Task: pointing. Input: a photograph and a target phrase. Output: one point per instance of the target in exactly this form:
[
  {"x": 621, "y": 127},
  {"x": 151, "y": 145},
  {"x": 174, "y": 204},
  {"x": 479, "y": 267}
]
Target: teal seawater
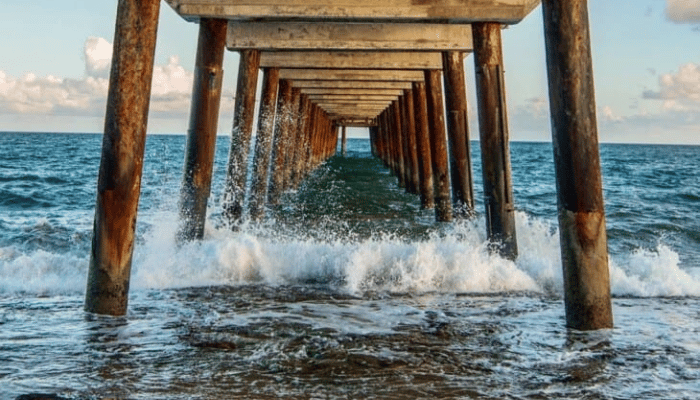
[{"x": 347, "y": 289}]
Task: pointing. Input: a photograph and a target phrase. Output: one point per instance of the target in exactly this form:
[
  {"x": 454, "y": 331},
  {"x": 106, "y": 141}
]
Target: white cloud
[
  {"x": 50, "y": 95},
  {"x": 679, "y": 91},
  {"x": 98, "y": 55},
  {"x": 608, "y": 115},
  {"x": 683, "y": 11},
  {"x": 34, "y": 95}
]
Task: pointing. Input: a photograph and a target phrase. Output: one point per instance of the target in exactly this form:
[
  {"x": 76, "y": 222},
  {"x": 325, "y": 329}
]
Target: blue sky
[{"x": 646, "y": 58}]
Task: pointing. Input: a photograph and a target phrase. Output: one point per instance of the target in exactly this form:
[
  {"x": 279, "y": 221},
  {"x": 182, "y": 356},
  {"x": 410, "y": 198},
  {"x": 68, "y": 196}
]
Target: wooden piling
[
  {"x": 240, "y": 136},
  {"x": 401, "y": 102},
  {"x": 294, "y": 138},
  {"x": 438, "y": 145},
  {"x": 373, "y": 140},
  {"x": 458, "y": 133},
  {"x": 311, "y": 136},
  {"x": 282, "y": 139},
  {"x": 344, "y": 141},
  {"x": 119, "y": 181},
  {"x": 333, "y": 139},
  {"x": 395, "y": 114},
  {"x": 263, "y": 143},
  {"x": 577, "y": 160},
  {"x": 388, "y": 158},
  {"x": 302, "y": 146},
  {"x": 201, "y": 135},
  {"x": 425, "y": 164},
  {"x": 413, "y": 184},
  {"x": 495, "y": 151}
]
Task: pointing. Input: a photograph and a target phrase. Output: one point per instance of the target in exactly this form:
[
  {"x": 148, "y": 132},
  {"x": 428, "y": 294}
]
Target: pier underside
[{"x": 394, "y": 67}]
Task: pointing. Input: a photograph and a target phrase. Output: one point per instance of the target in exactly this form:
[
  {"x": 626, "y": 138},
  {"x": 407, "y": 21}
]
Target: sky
[{"x": 55, "y": 55}]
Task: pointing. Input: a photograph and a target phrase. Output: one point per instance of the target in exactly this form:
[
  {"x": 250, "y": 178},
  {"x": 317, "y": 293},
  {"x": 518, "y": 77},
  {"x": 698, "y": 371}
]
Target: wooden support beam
[
  {"x": 353, "y": 92},
  {"x": 348, "y": 114},
  {"x": 351, "y": 84},
  {"x": 244, "y": 112},
  {"x": 303, "y": 141},
  {"x": 294, "y": 138},
  {"x": 407, "y": 166},
  {"x": 119, "y": 180},
  {"x": 493, "y": 130},
  {"x": 408, "y": 110},
  {"x": 458, "y": 134},
  {"x": 263, "y": 143},
  {"x": 395, "y": 115},
  {"x": 384, "y": 148},
  {"x": 201, "y": 135},
  {"x": 353, "y": 97},
  {"x": 425, "y": 165},
  {"x": 349, "y": 106},
  {"x": 438, "y": 146},
  {"x": 344, "y": 142},
  {"x": 356, "y": 123},
  {"x": 440, "y": 11},
  {"x": 351, "y": 60},
  {"x": 282, "y": 140},
  {"x": 353, "y": 107},
  {"x": 373, "y": 139},
  {"x": 350, "y": 75},
  {"x": 284, "y": 35},
  {"x": 577, "y": 160}
]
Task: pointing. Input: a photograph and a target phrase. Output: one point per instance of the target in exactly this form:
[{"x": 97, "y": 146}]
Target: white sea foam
[{"x": 454, "y": 260}]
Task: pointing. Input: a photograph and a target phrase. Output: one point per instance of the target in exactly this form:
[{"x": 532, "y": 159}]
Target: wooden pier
[{"x": 329, "y": 65}]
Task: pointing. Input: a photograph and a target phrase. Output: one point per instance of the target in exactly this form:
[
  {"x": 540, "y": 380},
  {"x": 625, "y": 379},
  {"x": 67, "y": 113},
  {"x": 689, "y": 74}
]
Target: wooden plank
[
  {"x": 351, "y": 97},
  {"x": 348, "y": 112},
  {"x": 351, "y": 75},
  {"x": 439, "y": 11},
  {"x": 349, "y": 84},
  {"x": 359, "y": 92},
  {"x": 363, "y": 122},
  {"x": 265, "y": 35},
  {"x": 352, "y": 107},
  {"x": 351, "y": 59}
]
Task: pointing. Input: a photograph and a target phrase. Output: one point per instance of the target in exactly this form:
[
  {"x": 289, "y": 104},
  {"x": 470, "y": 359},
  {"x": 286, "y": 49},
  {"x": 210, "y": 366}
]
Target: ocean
[{"x": 347, "y": 289}]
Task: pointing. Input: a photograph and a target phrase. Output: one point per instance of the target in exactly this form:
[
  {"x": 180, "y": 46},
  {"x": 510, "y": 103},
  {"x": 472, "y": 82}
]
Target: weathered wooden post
[
  {"x": 240, "y": 136},
  {"x": 425, "y": 164},
  {"x": 576, "y": 155},
  {"x": 302, "y": 146},
  {"x": 344, "y": 141},
  {"x": 438, "y": 145},
  {"x": 201, "y": 136},
  {"x": 458, "y": 133},
  {"x": 333, "y": 139},
  {"x": 383, "y": 121},
  {"x": 406, "y": 148},
  {"x": 281, "y": 145},
  {"x": 384, "y": 147},
  {"x": 263, "y": 143},
  {"x": 493, "y": 130},
  {"x": 294, "y": 136},
  {"x": 411, "y": 142},
  {"x": 312, "y": 128},
  {"x": 119, "y": 181},
  {"x": 373, "y": 140},
  {"x": 395, "y": 113}
]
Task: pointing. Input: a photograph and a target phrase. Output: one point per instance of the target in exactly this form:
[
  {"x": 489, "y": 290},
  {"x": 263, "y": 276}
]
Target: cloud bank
[
  {"x": 87, "y": 96},
  {"x": 683, "y": 11},
  {"x": 679, "y": 91}
]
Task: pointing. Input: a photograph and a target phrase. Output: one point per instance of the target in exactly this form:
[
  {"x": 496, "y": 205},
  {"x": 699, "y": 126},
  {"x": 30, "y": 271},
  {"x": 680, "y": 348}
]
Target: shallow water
[{"x": 348, "y": 289}]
